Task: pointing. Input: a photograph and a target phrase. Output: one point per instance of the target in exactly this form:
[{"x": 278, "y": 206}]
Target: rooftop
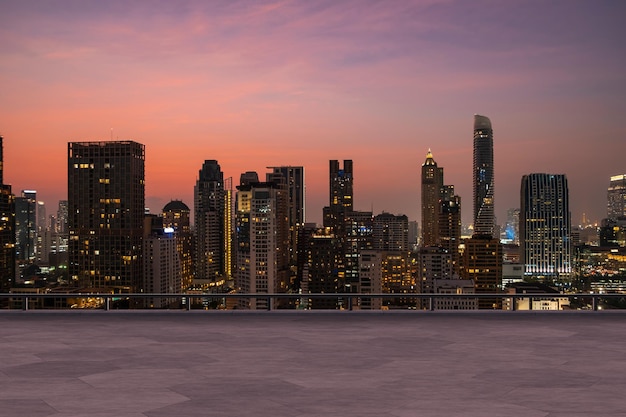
[{"x": 305, "y": 364}]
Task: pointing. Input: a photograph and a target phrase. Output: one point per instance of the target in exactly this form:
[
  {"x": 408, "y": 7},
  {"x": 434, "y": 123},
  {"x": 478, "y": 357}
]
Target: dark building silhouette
[
  {"x": 432, "y": 184},
  {"x": 484, "y": 220},
  {"x": 176, "y": 215},
  {"x": 482, "y": 263},
  {"x": 106, "y": 205},
  {"x": 211, "y": 246},
  {"x": 7, "y": 230}
]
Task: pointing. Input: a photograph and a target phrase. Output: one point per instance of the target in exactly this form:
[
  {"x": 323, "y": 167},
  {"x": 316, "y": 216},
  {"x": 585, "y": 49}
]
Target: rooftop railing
[{"x": 317, "y": 301}]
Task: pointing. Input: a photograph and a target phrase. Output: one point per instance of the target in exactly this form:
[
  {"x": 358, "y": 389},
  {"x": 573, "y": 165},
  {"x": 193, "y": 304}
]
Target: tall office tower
[
  {"x": 484, "y": 220},
  {"x": 512, "y": 225},
  {"x": 7, "y": 230},
  {"x": 545, "y": 224},
  {"x": 391, "y": 233},
  {"x": 616, "y": 197},
  {"x": 209, "y": 215},
  {"x": 482, "y": 263},
  {"x": 294, "y": 179},
  {"x": 344, "y": 222},
  {"x": 432, "y": 185},
  {"x": 341, "y": 196},
  {"x": 26, "y": 226},
  {"x": 320, "y": 273},
  {"x": 449, "y": 226},
  {"x": 370, "y": 279},
  {"x": 161, "y": 263},
  {"x": 433, "y": 263},
  {"x": 106, "y": 205},
  {"x": 176, "y": 216},
  {"x": 62, "y": 217},
  {"x": 257, "y": 225},
  {"x": 284, "y": 249},
  {"x": 413, "y": 234}
]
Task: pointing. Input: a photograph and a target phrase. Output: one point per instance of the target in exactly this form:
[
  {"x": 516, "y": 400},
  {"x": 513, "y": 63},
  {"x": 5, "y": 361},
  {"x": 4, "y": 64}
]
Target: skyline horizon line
[{"x": 416, "y": 219}]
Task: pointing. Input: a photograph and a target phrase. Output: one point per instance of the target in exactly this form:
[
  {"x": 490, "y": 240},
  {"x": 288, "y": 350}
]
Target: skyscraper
[
  {"x": 7, "y": 230},
  {"x": 484, "y": 220},
  {"x": 545, "y": 223},
  {"x": 259, "y": 221},
  {"x": 26, "y": 225},
  {"x": 106, "y": 205},
  {"x": 616, "y": 197},
  {"x": 176, "y": 216},
  {"x": 209, "y": 215},
  {"x": 294, "y": 185},
  {"x": 432, "y": 184}
]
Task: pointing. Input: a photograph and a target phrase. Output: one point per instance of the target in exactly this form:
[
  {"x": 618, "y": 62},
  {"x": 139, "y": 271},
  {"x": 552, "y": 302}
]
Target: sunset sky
[{"x": 256, "y": 84}]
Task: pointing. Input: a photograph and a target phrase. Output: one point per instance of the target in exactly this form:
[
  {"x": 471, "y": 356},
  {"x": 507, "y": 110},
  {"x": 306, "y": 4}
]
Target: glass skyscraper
[
  {"x": 483, "y": 176},
  {"x": 545, "y": 223},
  {"x": 106, "y": 205}
]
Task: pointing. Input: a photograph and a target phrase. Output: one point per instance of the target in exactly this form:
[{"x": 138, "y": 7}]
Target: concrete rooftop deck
[{"x": 156, "y": 364}]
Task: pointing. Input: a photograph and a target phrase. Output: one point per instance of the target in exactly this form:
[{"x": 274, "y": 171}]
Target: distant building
[
  {"x": 391, "y": 232},
  {"x": 26, "y": 226},
  {"x": 296, "y": 203},
  {"x": 106, "y": 205},
  {"x": 7, "y": 230},
  {"x": 616, "y": 197},
  {"x": 482, "y": 263},
  {"x": 545, "y": 227},
  {"x": 484, "y": 220},
  {"x": 211, "y": 245},
  {"x": 432, "y": 184},
  {"x": 613, "y": 232},
  {"x": 457, "y": 287},
  {"x": 535, "y": 303},
  {"x": 260, "y": 215},
  {"x": 176, "y": 216},
  {"x": 320, "y": 271},
  {"x": 161, "y": 263},
  {"x": 370, "y": 279}
]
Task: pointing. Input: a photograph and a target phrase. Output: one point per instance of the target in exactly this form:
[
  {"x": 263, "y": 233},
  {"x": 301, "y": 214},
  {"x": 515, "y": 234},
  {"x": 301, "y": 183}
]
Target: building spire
[{"x": 429, "y": 159}]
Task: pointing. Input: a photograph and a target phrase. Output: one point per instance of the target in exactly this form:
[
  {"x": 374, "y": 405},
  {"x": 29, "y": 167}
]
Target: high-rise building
[
  {"x": 176, "y": 216},
  {"x": 545, "y": 223},
  {"x": 210, "y": 219},
  {"x": 341, "y": 196},
  {"x": 432, "y": 185},
  {"x": 106, "y": 205},
  {"x": 7, "y": 230},
  {"x": 512, "y": 226},
  {"x": 258, "y": 215},
  {"x": 484, "y": 219},
  {"x": 616, "y": 197},
  {"x": 161, "y": 263},
  {"x": 294, "y": 181},
  {"x": 391, "y": 232},
  {"x": 449, "y": 226},
  {"x": 482, "y": 263},
  {"x": 26, "y": 225}
]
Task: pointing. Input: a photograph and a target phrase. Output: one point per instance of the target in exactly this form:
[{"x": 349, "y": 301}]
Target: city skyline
[{"x": 253, "y": 85}]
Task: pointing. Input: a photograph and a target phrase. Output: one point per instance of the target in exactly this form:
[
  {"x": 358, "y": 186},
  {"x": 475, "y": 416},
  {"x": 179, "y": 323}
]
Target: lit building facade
[
  {"x": 210, "y": 211},
  {"x": 106, "y": 205},
  {"x": 26, "y": 226},
  {"x": 482, "y": 263},
  {"x": 7, "y": 230},
  {"x": 391, "y": 232},
  {"x": 161, "y": 263},
  {"x": 616, "y": 197},
  {"x": 176, "y": 216},
  {"x": 258, "y": 216},
  {"x": 432, "y": 184},
  {"x": 484, "y": 220},
  {"x": 545, "y": 224}
]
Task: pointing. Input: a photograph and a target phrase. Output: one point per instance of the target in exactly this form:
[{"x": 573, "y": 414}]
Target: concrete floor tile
[{"x": 23, "y": 407}]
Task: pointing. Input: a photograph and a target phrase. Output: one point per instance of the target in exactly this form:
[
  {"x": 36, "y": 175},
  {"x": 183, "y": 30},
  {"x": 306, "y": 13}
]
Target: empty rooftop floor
[{"x": 389, "y": 364}]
